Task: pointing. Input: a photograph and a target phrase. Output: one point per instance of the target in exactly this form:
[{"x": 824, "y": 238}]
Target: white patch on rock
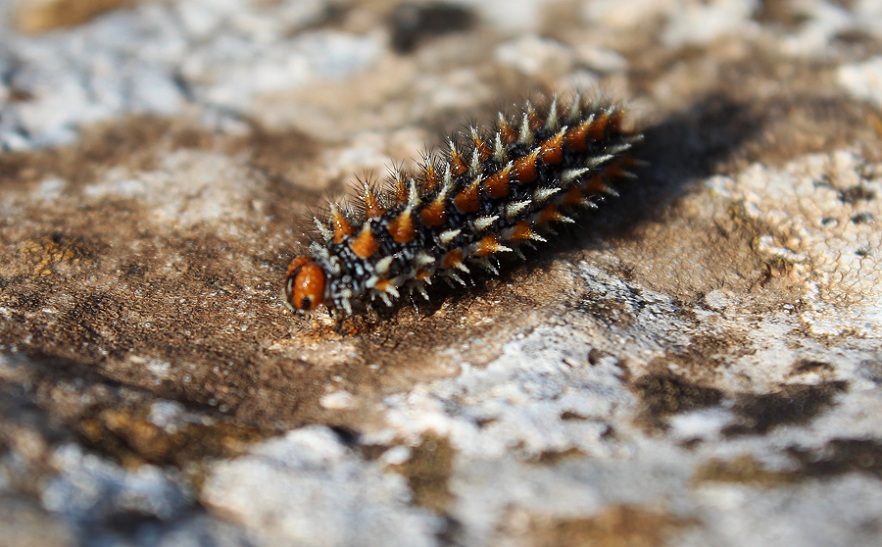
[
  {"x": 862, "y": 80},
  {"x": 522, "y": 16},
  {"x": 188, "y": 188},
  {"x": 337, "y": 400},
  {"x": 531, "y": 55},
  {"x": 623, "y": 16},
  {"x": 161, "y": 59},
  {"x": 90, "y": 488},
  {"x": 700, "y": 23},
  {"x": 307, "y": 488}
]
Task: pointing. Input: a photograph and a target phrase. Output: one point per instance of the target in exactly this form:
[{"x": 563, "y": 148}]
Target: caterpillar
[{"x": 499, "y": 190}]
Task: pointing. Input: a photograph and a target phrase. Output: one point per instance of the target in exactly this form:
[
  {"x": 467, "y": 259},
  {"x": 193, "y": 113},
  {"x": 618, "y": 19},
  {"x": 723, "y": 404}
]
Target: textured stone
[{"x": 697, "y": 363}]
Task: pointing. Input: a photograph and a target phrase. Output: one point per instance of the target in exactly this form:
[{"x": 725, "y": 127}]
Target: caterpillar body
[{"x": 499, "y": 190}]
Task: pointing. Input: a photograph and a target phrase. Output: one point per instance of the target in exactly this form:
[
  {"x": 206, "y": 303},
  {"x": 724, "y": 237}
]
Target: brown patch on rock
[
  {"x": 741, "y": 470},
  {"x": 810, "y": 366},
  {"x": 681, "y": 270},
  {"x": 615, "y": 526},
  {"x": 36, "y": 17},
  {"x": 780, "y": 12},
  {"x": 792, "y": 404},
  {"x": 551, "y": 457},
  {"x": 289, "y": 161},
  {"x": 772, "y": 272},
  {"x": 427, "y": 471},
  {"x": 411, "y": 23},
  {"x": 69, "y": 401},
  {"x": 56, "y": 251},
  {"x": 839, "y": 456},
  {"x": 836, "y": 457},
  {"x": 664, "y": 394},
  {"x": 569, "y": 415},
  {"x": 854, "y": 194},
  {"x": 705, "y": 356},
  {"x": 133, "y": 439}
]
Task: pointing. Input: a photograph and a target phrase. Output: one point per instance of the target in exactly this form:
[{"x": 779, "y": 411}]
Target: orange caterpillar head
[{"x": 305, "y": 288}]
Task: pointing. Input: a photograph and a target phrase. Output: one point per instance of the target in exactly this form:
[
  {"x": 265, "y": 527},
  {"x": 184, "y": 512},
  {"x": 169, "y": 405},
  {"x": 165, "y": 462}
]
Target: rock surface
[{"x": 700, "y": 364}]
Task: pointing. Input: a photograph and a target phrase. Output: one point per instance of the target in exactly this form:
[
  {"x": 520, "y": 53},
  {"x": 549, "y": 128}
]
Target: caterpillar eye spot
[{"x": 305, "y": 286}]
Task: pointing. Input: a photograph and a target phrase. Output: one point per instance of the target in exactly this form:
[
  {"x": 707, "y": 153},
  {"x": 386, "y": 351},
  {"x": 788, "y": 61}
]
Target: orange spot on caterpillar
[
  {"x": 306, "y": 284},
  {"x": 400, "y": 189},
  {"x": 365, "y": 244},
  {"x": 533, "y": 118},
  {"x": 551, "y": 151},
  {"x": 482, "y": 148},
  {"x": 401, "y": 228},
  {"x": 372, "y": 207},
  {"x": 457, "y": 165},
  {"x": 342, "y": 228},
  {"x": 524, "y": 169},
  {"x": 468, "y": 200},
  {"x": 615, "y": 170},
  {"x": 576, "y": 138},
  {"x": 598, "y": 128},
  {"x": 596, "y": 184},
  {"x": 521, "y": 231},
  {"x": 383, "y": 285},
  {"x": 489, "y": 244},
  {"x": 452, "y": 259},
  {"x": 574, "y": 196},
  {"x": 433, "y": 179},
  {"x": 506, "y": 133},
  {"x": 549, "y": 214},
  {"x": 434, "y": 214},
  {"x": 497, "y": 184}
]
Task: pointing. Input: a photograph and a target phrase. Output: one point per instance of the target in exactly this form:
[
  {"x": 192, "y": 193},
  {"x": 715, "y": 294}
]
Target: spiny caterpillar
[{"x": 465, "y": 207}]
